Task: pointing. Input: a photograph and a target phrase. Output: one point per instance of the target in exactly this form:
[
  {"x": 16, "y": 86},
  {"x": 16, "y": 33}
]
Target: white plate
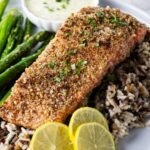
[{"x": 138, "y": 139}]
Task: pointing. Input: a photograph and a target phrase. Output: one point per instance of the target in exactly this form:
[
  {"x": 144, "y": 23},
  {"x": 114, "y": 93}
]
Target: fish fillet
[{"x": 86, "y": 47}]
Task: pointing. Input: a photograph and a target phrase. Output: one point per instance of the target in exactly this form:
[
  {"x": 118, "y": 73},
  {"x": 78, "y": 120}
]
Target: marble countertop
[{"x": 142, "y": 4}]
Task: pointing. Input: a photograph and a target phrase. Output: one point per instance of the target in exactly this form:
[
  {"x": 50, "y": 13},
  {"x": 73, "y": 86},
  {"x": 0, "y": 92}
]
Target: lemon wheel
[
  {"x": 93, "y": 136},
  {"x": 51, "y": 136},
  {"x": 85, "y": 115}
]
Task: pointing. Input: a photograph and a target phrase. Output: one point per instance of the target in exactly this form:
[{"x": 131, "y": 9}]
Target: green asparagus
[
  {"x": 5, "y": 97},
  {"x": 13, "y": 37},
  {"x": 6, "y": 25},
  {"x": 11, "y": 73},
  {"x": 29, "y": 27},
  {"x": 46, "y": 42},
  {"x": 2, "y": 92},
  {"x": 20, "y": 36},
  {"x": 22, "y": 49},
  {"x": 3, "y": 4}
]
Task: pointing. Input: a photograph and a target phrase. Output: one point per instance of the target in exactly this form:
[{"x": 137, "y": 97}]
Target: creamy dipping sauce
[{"x": 57, "y": 10}]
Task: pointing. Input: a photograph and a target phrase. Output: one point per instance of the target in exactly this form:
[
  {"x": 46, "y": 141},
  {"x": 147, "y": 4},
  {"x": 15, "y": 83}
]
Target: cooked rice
[
  {"x": 13, "y": 137},
  {"x": 123, "y": 97}
]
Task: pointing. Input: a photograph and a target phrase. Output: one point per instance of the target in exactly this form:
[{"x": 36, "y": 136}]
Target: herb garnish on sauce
[
  {"x": 63, "y": 5},
  {"x": 65, "y": 1}
]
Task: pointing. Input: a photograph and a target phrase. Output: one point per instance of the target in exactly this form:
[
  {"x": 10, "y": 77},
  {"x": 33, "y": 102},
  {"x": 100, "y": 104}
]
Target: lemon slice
[
  {"x": 51, "y": 136},
  {"x": 85, "y": 115},
  {"x": 93, "y": 136}
]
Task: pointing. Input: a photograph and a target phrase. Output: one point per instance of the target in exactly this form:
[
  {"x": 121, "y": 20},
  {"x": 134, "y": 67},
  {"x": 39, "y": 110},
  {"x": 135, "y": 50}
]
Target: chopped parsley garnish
[
  {"x": 45, "y": 3},
  {"x": 72, "y": 69},
  {"x": 63, "y": 73},
  {"x": 96, "y": 45},
  {"x": 92, "y": 22},
  {"x": 73, "y": 66},
  {"x": 65, "y": 1},
  {"x": 100, "y": 14},
  {"x": 47, "y": 7},
  {"x": 87, "y": 33},
  {"x": 52, "y": 64},
  {"x": 57, "y": 79},
  {"x": 83, "y": 42},
  {"x": 79, "y": 67},
  {"x": 82, "y": 63},
  {"x": 67, "y": 34},
  {"x": 50, "y": 9},
  {"x": 69, "y": 68},
  {"x": 63, "y": 6},
  {"x": 66, "y": 61},
  {"x": 117, "y": 21},
  {"x": 72, "y": 52}
]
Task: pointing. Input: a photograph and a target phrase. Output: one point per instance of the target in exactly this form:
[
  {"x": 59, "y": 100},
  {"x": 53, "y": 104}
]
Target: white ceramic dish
[
  {"x": 138, "y": 139},
  {"x": 49, "y": 25}
]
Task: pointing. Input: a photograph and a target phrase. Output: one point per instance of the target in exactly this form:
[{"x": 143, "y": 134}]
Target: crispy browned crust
[{"x": 43, "y": 94}]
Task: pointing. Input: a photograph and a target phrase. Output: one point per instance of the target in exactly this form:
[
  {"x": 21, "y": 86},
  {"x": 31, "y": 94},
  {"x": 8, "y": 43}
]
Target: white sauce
[{"x": 59, "y": 11}]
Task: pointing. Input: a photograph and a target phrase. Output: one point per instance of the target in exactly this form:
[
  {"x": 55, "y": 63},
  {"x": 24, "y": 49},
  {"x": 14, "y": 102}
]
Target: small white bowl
[{"x": 48, "y": 25}]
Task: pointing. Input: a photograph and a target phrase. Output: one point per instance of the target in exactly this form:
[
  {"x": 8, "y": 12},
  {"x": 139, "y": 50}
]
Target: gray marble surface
[{"x": 142, "y": 4}]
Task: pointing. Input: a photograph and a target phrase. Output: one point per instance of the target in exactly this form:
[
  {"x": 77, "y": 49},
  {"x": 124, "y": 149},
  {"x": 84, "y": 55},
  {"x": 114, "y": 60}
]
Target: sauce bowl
[{"x": 48, "y": 25}]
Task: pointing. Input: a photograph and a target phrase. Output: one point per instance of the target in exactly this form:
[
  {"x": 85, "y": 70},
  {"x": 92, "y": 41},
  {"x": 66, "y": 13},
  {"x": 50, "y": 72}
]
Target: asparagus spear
[
  {"x": 38, "y": 52},
  {"x": 20, "y": 36},
  {"x": 6, "y": 25},
  {"x": 11, "y": 73},
  {"x": 13, "y": 37},
  {"x": 3, "y": 4},
  {"x": 22, "y": 49},
  {"x": 5, "y": 97},
  {"x": 28, "y": 29}
]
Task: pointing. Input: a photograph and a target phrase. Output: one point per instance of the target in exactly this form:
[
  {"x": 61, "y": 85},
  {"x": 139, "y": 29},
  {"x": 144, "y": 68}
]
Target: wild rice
[{"x": 124, "y": 95}]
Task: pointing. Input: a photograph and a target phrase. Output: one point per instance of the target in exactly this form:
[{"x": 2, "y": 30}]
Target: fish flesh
[{"x": 87, "y": 46}]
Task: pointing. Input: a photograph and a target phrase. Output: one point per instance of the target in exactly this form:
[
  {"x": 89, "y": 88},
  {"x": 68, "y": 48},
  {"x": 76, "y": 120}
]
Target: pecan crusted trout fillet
[{"x": 86, "y": 47}]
